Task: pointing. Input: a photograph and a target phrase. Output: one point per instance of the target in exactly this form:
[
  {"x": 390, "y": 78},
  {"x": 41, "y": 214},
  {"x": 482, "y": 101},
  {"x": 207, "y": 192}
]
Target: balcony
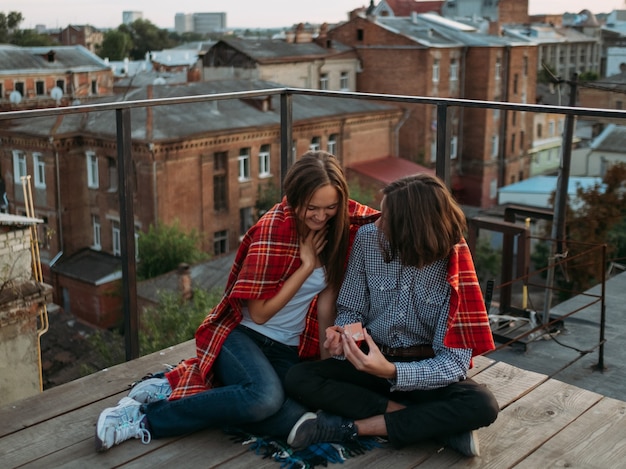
[{"x": 543, "y": 421}]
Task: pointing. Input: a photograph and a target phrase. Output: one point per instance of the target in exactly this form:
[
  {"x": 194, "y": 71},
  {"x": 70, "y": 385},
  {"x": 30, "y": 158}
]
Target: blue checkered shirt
[{"x": 402, "y": 306}]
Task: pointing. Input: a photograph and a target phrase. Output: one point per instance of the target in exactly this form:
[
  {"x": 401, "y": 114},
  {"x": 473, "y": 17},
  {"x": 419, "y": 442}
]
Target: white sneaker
[
  {"x": 151, "y": 390},
  {"x": 120, "y": 423}
]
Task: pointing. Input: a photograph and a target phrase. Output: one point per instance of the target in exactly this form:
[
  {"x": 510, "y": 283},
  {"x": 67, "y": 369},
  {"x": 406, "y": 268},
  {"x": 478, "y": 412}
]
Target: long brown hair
[
  {"x": 314, "y": 170},
  {"x": 420, "y": 220}
]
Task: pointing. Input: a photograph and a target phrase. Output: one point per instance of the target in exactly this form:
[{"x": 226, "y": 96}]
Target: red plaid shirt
[{"x": 267, "y": 256}]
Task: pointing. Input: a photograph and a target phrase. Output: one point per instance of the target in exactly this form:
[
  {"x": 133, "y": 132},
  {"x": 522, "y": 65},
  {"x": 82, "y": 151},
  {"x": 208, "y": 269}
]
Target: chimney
[{"x": 184, "y": 282}]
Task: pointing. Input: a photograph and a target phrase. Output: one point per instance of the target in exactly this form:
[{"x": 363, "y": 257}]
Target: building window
[
  {"x": 539, "y": 130},
  {"x": 551, "y": 128},
  {"x": 93, "y": 181},
  {"x": 454, "y": 70},
  {"x": 19, "y": 166},
  {"x": 116, "y": 238},
  {"x": 97, "y": 238},
  {"x": 515, "y": 83},
  {"x": 513, "y": 118},
  {"x": 61, "y": 84},
  {"x": 454, "y": 147},
  {"x": 324, "y": 81},
  {"x": 315, "y": 144},
  {"x": 220, "y": 187},
  {"x": 264, "y": 161},
  {"x": 360, "y": 34},
  {"x": 219, "y": 193},
  {"x": 619, "y": 105},
  {"x": 40, "y": 88},
  {"x": 493, "y": 189},
  {"x": 94, "y": 86},
  {"x": 244, "y": 164},
  {"x": 436, "y": 71},
  {"x": 332, "y": 144},
  {"x": 113, "y": 176},
  {"x": 525, "y": 66},
  {"x": 498, "y": 68},
  {"x": 521, "y": 140},
  {"x": 494, "y": 145},
  {"x": 220, "y": 242},
  {"x": 513, "y": 143},
  {"x": 245, "y": 220},
  {"x": 19, "y": 87},
  {"x": 496, "y": 115},
  {"x": 344, "y": 83},
  {"x": 40, "y": 171}
]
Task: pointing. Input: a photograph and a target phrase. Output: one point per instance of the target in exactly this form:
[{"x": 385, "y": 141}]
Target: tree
[
  {"x": 116, "y": 45},
  {"x": 164, "y": 247},
  {"x": 146, "y": 37},
  {"x": 268, "y": 196},
  {"x": 9, "y": 24},
  {"x": 174, "y": 321},
  {"x": 597, "y": 221},
  {"x": 31, "y": 38}
]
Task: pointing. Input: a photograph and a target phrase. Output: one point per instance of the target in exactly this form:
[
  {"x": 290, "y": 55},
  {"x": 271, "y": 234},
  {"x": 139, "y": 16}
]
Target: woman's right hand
[{"x": 311, "y": 246}]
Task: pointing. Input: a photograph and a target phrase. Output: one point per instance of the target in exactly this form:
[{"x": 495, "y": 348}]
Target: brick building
[
  {"x": 202, "y": 165},
  {"x": 298, "y": 61},
  {"x": 80, "y": 35},
  {"x": 34, "y": 77},
  {"x": 428, "y": 55}
]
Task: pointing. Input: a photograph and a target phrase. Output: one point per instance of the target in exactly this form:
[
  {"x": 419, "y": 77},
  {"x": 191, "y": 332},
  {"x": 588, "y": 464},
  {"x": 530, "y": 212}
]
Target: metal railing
[{"x": 442, "y": 164}]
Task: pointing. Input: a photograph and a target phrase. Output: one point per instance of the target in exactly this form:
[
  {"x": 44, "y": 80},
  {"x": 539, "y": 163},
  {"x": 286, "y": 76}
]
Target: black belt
[{"x": 415, "y": 351}]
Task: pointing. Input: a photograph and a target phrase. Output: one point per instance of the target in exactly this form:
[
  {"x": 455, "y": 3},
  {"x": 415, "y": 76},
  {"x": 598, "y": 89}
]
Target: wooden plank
[
  {"x": 595, "y": 440},
  {"x": 480, "y": 363},
  {"x": 525, "y": 425},
  {"x": 509, "y": 383},
  {"x": 84, "y": 391}
]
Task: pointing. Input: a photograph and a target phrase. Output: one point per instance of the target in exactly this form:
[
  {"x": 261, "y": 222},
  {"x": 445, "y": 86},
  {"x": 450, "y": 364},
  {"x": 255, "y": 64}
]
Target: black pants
[{"x": 337, "y": 387}]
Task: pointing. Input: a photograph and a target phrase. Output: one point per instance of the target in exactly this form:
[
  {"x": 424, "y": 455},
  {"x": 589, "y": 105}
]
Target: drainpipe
[
  {"x": 505, "y": 117},
  {"x": 396, "y": 131},
  {"x": 57, "y": 176},
  {"x": 460, "y": 130}
]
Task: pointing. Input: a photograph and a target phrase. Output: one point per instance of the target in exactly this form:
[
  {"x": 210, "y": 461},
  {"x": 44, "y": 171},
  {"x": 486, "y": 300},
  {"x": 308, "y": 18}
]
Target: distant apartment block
[
  {"x": 129, "y": 17},
  {"x": 201, "y": 23}
]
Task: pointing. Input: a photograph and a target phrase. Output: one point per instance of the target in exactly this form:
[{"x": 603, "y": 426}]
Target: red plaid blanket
[{"x": 468, "y": 323}]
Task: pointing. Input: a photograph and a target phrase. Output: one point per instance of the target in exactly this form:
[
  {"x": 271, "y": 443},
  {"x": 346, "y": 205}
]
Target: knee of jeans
[
  {"x": 490, "y": 407},
  {"x": 265, "y": 404}
]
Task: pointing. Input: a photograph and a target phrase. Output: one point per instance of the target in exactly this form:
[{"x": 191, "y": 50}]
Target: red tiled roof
[{"x": 389, "y": 168}]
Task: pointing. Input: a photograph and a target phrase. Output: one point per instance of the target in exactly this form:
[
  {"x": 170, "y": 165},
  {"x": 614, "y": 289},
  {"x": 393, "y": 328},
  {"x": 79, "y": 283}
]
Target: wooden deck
[{"x": 543, "y": 423}]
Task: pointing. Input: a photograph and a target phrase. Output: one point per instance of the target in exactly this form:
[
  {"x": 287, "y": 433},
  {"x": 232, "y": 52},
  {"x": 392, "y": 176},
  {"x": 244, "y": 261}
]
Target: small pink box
[{"x": 355, "y": 330}]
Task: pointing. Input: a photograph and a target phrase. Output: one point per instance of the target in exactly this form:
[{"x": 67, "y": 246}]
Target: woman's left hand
[{"x": 374, "y": 362}]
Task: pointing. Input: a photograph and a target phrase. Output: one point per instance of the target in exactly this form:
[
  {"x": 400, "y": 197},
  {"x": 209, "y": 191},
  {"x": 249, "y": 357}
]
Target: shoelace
[{"x": 129, "y": 429}]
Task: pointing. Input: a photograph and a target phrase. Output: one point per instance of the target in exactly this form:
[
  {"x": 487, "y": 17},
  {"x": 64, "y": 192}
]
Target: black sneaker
[
  {"x": 465, "y": 443},
  {"x": 321, "y": 427}
]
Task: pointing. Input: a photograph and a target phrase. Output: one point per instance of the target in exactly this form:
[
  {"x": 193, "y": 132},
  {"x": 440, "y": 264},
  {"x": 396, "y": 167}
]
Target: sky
[{"x": 239, "y": 13}]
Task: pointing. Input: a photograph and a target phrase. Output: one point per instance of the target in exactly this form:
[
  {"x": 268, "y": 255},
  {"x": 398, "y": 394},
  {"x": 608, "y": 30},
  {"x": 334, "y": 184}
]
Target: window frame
[
  {"x": 93, "y": 176},
  {"x": 20, "y": 168},
  {"x": 39, "y": 170},
  {"x": 265, "y": 160},
  {"x": 243, "y": 161}
]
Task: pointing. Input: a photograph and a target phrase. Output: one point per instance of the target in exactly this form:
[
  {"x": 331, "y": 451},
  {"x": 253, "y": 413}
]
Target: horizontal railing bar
[{"x": 544, "y": 108}]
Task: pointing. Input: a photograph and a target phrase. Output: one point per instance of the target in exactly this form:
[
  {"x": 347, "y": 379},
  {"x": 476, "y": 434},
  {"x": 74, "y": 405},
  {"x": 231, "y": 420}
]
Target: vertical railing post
[
  {"x": 286, "y": 137},
  {"x": 442, "y": 164},
  {"x": 127, "y": 229}
]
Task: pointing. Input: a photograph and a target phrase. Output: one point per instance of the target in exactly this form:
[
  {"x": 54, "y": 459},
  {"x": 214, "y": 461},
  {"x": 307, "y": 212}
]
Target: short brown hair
[{"x": 421, "y": 220}]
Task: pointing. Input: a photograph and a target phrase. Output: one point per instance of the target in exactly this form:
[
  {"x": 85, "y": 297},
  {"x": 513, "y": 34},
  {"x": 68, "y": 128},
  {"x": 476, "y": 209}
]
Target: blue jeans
[{"x": 251, "y": 368}]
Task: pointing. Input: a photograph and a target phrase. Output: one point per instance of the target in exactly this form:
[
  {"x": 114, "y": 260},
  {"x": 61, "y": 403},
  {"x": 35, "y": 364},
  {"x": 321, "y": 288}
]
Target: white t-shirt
[{"x": 287, "y": 325}]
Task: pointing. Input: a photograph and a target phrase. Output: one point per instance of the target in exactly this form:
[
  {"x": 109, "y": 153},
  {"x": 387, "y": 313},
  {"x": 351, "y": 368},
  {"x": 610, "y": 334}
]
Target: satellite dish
[
  {"x": 159, "y": 81},
  {"x": 56, "y": 93},
  {"x": 15, "y": 97}
]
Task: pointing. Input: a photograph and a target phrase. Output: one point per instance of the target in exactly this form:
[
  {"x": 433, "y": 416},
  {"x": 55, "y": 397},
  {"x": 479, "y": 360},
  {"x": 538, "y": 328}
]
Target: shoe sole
[{"x": 292, "y": 434}]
